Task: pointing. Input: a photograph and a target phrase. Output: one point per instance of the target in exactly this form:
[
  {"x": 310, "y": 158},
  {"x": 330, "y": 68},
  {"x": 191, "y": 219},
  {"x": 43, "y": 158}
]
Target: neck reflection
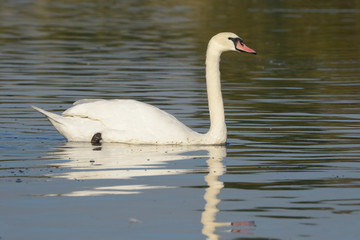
[{"x": 121, "y": 161}]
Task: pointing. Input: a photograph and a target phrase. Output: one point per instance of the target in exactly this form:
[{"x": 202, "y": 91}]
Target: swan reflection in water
[{"x": 123, "y": 161}]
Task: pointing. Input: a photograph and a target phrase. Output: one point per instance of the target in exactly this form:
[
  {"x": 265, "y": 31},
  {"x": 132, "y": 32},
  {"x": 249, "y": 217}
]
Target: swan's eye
[{"x": 235, "y": 40}]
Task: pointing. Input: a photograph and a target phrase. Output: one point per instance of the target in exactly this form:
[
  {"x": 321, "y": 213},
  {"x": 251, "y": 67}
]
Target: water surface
[{"x": 290, "y": 171}]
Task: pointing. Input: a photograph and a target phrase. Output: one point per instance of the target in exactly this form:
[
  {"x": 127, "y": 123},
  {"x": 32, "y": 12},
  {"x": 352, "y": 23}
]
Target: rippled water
[{"x": 290, "y": 171}]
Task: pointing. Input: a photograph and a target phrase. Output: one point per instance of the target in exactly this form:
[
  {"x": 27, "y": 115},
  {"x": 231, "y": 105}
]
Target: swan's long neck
[{"x": 217, "y": 131}]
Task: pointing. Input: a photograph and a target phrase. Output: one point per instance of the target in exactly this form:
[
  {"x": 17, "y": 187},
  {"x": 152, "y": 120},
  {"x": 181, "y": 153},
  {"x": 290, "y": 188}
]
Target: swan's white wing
[{"x": 132, "y": 121}]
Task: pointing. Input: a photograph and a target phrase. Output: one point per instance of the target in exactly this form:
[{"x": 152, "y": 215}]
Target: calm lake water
[{"x": 292, "y": 166}]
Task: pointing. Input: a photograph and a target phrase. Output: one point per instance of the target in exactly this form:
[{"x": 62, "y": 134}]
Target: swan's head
[{"x": 227, "y": 41}]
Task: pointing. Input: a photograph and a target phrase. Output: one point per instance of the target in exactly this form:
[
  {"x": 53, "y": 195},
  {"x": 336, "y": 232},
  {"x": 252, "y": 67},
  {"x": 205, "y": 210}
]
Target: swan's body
[
  {"x": 130, "y": 121},
  {"x": 115, "y": 120}
]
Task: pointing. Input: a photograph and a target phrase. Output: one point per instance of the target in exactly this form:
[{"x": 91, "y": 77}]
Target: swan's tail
[
  {"x": 59, "y": 122},
  {"x": 72, "y": 128},
  {"x": 51, "y": 116}
]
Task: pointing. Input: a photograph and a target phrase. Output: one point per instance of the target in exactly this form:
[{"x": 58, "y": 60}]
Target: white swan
[{"x": 130, "y": 121}]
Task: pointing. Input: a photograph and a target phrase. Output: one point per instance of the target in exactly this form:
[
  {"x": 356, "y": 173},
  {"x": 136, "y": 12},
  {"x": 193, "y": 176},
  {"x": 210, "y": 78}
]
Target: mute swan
[{"x": 130, "y": 121}]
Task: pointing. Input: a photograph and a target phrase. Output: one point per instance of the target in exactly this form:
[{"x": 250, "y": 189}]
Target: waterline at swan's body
[
  {"x": 115, "y": 120},
  {"x": 130, "y": 121}
]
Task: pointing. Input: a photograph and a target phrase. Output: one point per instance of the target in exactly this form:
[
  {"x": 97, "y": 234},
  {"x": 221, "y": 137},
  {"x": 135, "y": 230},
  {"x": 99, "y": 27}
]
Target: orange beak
[{"x": 240, "y": 46}]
